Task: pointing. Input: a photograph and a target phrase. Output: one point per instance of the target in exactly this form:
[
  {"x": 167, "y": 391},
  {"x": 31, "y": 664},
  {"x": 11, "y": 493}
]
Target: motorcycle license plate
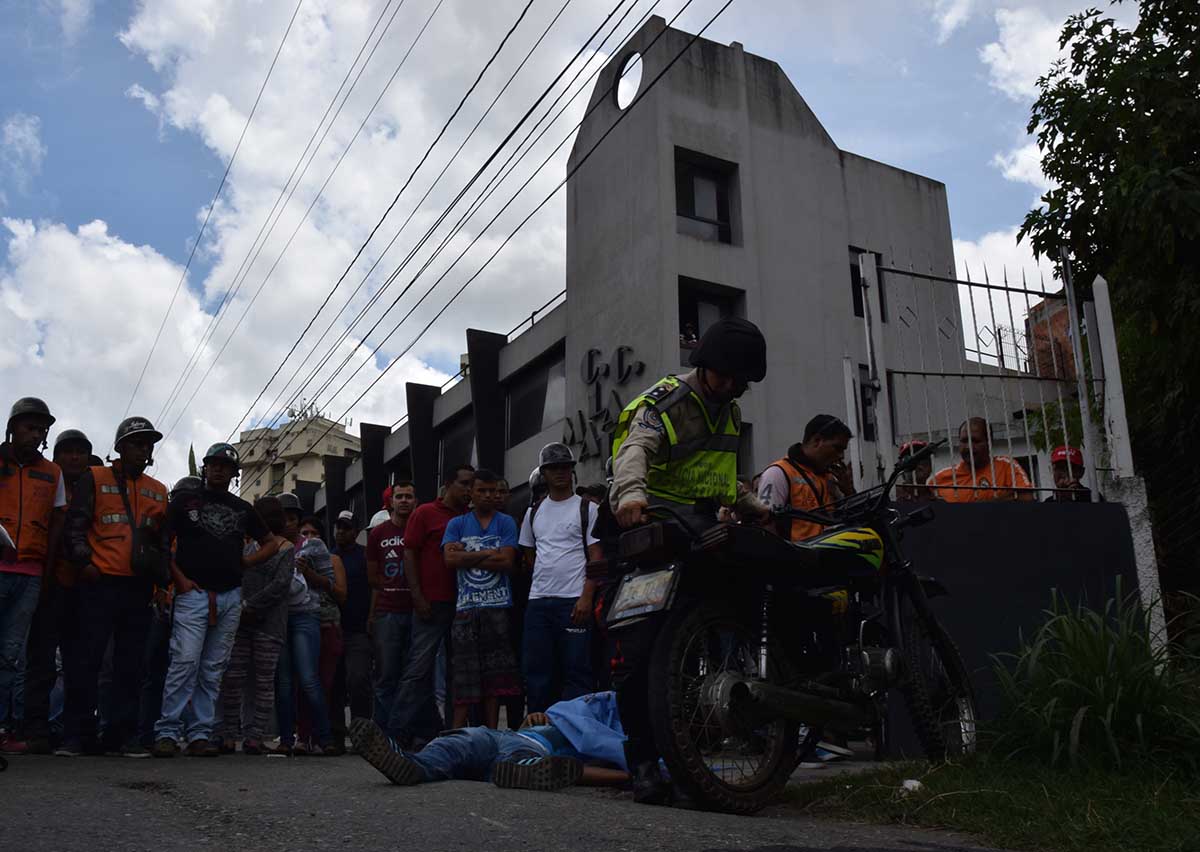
[{"x": 642, "y": 594}]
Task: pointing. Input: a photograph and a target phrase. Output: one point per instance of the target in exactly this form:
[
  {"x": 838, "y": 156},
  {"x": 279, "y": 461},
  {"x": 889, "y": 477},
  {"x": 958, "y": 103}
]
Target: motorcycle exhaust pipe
[{"x": 738, "y": 697}]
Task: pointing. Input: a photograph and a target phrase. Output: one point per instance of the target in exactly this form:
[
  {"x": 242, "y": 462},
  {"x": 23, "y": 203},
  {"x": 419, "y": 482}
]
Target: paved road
[{"x": 266, "y": 804}]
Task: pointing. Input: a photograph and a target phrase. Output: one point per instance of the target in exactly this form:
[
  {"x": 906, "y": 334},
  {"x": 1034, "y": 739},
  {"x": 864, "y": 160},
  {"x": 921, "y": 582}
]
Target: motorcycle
[{"x": 761, "y": 646}]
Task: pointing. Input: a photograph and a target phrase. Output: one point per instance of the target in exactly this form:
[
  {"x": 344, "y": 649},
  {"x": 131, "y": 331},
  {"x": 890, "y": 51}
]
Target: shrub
[{"x": 1098, "y": 690}]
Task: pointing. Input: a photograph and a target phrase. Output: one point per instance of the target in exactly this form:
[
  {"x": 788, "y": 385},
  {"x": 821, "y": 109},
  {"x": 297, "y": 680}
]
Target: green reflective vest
[{"x": 696, "y": 468}]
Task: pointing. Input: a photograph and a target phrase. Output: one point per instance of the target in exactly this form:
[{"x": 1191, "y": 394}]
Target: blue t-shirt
[{"x": 478, "y": 587}]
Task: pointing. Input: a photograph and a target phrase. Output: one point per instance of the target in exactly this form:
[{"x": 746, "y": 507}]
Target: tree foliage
[{"x": 1118, "y": 125}]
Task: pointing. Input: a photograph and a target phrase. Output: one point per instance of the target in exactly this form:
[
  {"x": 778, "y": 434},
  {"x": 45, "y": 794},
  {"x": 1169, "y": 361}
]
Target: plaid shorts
[{"x": 484, "y": 663}]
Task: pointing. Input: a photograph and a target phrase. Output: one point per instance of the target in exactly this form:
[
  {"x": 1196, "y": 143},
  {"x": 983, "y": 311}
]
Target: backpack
[{"x": 583, "y": 521}]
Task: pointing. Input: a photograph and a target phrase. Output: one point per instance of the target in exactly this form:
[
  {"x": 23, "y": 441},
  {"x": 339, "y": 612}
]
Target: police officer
[{"x": 676, "y": 445}]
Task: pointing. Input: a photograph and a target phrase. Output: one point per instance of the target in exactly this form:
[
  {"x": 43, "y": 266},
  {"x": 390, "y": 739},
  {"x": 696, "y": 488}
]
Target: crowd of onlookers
[{"x": 137, "y": 620}]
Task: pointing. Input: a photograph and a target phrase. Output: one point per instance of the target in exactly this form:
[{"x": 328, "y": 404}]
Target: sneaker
[
  {"x": 300, "y": 749},
  {"x": 381, "y": 752},
  {"x": 12, "y": 744},
  {"x": 165, "y": 747},
  {"x": 837, "y": 750},
  {"x": 228, "y": 747},
  {"x": 69, "y": 748},
  {"x": 280, "y": 750},
  {"x": 134, "y": 750},
  {"x": 314, "y": 751},
  {"x": 537, "y": 773}
]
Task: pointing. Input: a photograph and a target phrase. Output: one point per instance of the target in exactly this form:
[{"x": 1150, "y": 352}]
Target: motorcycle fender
[
  {"x": 642, "y": 594},
  {"x": 933, "y": 587}
]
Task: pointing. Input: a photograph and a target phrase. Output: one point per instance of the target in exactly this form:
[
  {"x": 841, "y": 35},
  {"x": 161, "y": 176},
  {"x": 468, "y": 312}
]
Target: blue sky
[{"x": 117, "y": 120}]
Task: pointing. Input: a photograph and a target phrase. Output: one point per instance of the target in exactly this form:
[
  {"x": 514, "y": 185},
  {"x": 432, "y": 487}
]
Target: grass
[{"x": 1019, "y": 805}]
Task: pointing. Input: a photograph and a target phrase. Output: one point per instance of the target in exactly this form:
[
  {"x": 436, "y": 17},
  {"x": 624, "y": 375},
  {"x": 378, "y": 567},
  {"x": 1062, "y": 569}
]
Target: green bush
[{"x": 1097, "y": 690}]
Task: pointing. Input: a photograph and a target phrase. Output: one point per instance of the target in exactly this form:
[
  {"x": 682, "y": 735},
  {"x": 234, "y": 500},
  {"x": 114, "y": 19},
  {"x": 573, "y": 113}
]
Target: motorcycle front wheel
[
  {"x": 937, "y": 686},
  {"x": 723, "y": 764}
]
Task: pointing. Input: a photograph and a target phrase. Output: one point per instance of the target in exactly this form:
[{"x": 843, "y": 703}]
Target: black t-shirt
[{"x": 210, "y": 529}]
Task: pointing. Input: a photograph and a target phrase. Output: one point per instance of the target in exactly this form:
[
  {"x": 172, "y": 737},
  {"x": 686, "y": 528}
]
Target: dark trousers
[
  {"x": 414, "y": 713},
  {"x": 553, "y": 644},
  {"x": 55, "y": 625},
  {"x": 156, "y": 661},
  {"x": 352, "y": 684},
  {"x": 116, "y": 608},
  {"x": 630, "y": 655}
]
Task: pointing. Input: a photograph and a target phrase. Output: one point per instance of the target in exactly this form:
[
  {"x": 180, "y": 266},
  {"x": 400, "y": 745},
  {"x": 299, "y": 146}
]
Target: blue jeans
[
  {"x": 413, "y": 712},
  {"x": 468, "y": 754},
  {"x": 199, "y": 655},
  {"x": 553, "y": 644},
  {"x": 18, "y": 601},
  {"x": 391, "y": 635},
  {"x": 298, "y": 669}
]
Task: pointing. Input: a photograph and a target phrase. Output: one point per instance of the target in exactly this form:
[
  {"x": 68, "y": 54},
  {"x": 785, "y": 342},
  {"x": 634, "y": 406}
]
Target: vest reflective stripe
[
  {"x": 27, "y": 504},
  {"x": 696, "y": 469},
  {"x": 798, "y": 486},
  {"x": 110, "y": 537}
]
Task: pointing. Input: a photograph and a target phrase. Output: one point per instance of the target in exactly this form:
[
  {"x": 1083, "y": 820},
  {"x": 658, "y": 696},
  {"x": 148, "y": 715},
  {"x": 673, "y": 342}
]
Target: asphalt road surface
[{"x": 265, "y": 804}]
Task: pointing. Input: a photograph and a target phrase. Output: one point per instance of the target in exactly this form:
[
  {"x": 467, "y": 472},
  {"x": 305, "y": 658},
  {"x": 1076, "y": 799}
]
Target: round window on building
[{"x": 629, "y": 80}]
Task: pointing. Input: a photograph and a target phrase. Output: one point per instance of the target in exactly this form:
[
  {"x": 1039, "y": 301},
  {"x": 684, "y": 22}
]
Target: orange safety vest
[
  {"x": 807, "y": 489},
  {"x": 26, "y": 503},
  {"x": 111, "y": 537}
]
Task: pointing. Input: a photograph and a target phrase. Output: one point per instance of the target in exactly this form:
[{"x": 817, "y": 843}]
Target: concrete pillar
[
  {"x": 335, "y": 487},
  {"x": 487, "y": 397},
  {"x": 422, "y": 441},
  {"x": 374, "y": 474}
]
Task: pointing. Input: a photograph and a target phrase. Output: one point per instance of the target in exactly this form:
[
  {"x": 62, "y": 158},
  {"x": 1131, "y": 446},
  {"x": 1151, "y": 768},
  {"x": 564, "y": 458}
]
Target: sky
[{"x": 119, "y": 119}]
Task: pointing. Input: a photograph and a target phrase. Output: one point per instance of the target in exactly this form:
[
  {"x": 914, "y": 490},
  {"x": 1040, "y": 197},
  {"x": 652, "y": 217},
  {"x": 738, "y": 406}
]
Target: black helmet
[
  {"x": 187, "y": 483},
  {"x": 224, "y": 452},
  {"x": 290, "y": 502},
  {"x": 555, "y": 453},
  {"x": 68, "y": 435},
  {"x": 27, "y": 405},
  {"x": 733, "y": 346},
  {"x": 131, "y": 426}
]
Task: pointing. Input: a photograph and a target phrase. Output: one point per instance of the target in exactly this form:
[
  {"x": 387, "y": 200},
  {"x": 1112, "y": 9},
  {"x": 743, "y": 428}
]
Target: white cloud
[
  {"x": 149, "y": 100},
  {"x": 1001, "y": 255},
  {"x": 1023, "y": 164},
  {"x": 73, "y": 16},
  {"x": 21, "y": 150},
  {"x": 1026, "y": 47},
  {"x": 949, "y": 15}
]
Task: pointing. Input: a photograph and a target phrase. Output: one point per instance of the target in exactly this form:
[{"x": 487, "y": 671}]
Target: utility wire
[
  {"x": 211, "y": 205},
  {"x": 423, "y": 240},
  {"x": 523, "y": 222},
  {"x": 247, "y": 262},
  {"x": 493, "y": 184}
]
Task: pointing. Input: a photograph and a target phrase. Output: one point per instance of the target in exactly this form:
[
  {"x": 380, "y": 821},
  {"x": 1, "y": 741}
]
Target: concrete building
[
  {"x": 288, "y": 456},
  {"x": 718, "y": 193}
]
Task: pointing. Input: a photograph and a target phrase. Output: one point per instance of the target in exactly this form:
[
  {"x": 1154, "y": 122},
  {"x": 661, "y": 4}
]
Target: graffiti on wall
[{"x": 588, "y": 432}]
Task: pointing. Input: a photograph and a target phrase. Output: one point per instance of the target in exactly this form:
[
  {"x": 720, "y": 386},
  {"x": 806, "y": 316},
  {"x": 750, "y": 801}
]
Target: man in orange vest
[
  {"x": 116, "y": 584},
  {"x": 32, "y": 499},
  {"x": 56, "y": 622},
  {"x": 980, "y": 477},
  {"x": 804, "y": 478}
]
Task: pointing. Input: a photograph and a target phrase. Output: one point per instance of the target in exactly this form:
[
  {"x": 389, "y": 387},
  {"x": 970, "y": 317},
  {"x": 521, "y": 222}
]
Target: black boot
[{"x": 649, "y": 787}]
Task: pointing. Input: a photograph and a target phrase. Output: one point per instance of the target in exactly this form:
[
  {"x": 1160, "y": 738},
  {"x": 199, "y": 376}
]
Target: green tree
[
  {"x": 192, "y": 461},
  {"x": 1118, "y": 125}
]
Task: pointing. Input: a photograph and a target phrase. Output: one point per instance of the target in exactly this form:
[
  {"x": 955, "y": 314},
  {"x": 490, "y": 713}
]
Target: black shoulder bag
[{"x": 148, "y": 560}]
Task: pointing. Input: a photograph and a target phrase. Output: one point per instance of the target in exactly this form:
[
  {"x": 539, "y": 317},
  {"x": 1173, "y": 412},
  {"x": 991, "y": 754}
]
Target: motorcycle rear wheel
[
  {"x": 937, "y": 687},
  {"x": 734, "y": 771}
]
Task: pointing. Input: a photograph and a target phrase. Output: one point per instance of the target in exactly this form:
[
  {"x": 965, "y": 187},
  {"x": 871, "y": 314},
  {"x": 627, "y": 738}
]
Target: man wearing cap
[
  {"x": 293, "y": 512},
  {"x": 210, "y": 527},
  {"x": 353, "y": 678},
  {"x": 32, "y": 500},
  {"x": 56, "y": 622},
  {"x": 1067, "y": 464},
  {"x": 803, "y": 479},
  {"x": 116, "y": 533}
]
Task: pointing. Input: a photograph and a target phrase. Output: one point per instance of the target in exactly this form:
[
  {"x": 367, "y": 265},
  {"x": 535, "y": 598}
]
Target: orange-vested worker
[
  {"x": 32, "y": 497},
  {"x": 980, "y": 477},
  {"x": 116, "y": 584},
  {"x": 808, "y": 476}
]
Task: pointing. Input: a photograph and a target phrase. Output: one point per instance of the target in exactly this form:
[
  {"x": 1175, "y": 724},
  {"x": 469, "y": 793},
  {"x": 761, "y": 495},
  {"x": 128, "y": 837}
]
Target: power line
[
  {"x": 430, "y": 231},
  {"x": 644, "y": 91},
  {"x": 281, "y": 203},
  {"x": 211, "y": 205}
]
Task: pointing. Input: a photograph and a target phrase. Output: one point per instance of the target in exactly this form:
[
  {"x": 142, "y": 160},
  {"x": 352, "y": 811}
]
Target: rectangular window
[
  {"x": 704, "y": 190},
  {"x": 277, "y": 478},
  {"x": 701, "y": 303},
  {"x": 856, "y": 284},
  {"x": 537, "y": 399}
]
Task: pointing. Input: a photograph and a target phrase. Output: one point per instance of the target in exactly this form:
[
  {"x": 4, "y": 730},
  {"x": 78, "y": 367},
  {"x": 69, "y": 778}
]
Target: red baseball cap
[
  {"x": 1067, "y": 454},
  {"x": 912, "y": 447},
  {"x": 387, "y": 497}
]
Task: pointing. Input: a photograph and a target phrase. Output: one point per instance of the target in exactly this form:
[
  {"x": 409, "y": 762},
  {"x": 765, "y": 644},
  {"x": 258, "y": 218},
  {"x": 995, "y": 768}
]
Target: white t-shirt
[{"x": 558, "y": 570}]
